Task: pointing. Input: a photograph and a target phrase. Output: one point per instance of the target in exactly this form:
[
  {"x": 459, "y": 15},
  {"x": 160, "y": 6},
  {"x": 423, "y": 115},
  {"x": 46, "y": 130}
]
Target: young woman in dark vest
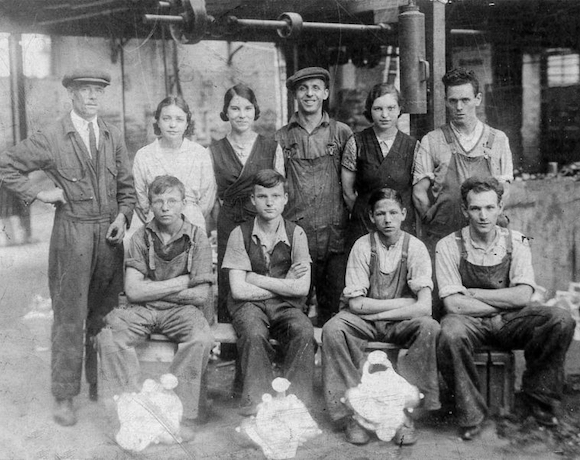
[
  {"x": 377, "y": 157},
  {"x": 236, "y": 158}
]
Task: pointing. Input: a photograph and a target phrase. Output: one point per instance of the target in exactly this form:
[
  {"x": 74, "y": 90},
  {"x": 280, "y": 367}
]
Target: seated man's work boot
[
  {"x": 406, "y": 434},
  {"x": 355, "y": 434},
  {"x": 64, "y": 413}
]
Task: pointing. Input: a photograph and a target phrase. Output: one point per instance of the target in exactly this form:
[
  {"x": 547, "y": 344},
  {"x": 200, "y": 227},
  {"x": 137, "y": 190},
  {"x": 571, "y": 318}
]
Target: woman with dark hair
[
  {"x": 173, "y": 154},
  {"x": 236, "y": 158},
  {"x": 377, "y": 157}
]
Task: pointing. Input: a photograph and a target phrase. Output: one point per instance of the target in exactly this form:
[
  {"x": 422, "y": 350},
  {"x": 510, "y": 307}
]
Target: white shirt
[
  {"x": 358, "y": 273},
  {"x": 82, "y": 127},
  {"x": 192, "y": 165}
]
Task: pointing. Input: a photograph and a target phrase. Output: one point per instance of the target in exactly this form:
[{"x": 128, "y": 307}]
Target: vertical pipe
[
  {"x": 164, "y": 53},
  {"x": 19, "y": 129},
  {"x": 123, "y": 102}
]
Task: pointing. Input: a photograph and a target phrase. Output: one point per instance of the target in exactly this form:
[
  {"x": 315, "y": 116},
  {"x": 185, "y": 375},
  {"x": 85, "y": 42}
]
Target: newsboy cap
[
  {"x": 87, "y": 75},
  {"x": 307, "y": 73}
]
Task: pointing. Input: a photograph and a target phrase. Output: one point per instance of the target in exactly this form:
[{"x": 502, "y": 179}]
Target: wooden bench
[{"x": 159, "y": 348}]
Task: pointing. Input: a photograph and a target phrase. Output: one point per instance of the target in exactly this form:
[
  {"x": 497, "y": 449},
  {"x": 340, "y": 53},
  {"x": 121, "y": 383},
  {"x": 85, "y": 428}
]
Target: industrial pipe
[{"x": 414, "y": 66}]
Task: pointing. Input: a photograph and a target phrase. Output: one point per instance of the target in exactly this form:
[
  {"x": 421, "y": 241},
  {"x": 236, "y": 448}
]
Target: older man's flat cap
[
  {"x": 87, "y": 75},
  {"x": 306, "y": 74}
]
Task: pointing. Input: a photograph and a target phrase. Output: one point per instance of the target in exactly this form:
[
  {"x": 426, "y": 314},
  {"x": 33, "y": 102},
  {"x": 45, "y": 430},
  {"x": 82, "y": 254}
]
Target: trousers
[
  {"x": 344, "y": 339},
  {"x": 85, "y": 276},
  {"x": 127, "y": 327},
  {"x": 544, "y": 333},
  {"x": 255, "y": 323}
]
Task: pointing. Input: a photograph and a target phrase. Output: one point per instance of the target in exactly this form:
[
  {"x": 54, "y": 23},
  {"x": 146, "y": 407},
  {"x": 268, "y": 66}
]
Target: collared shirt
[
  {"x": 433, "y": 157},
  {"x": 470, "y": 141},
  {"x": 237, "y": 258},
  {"x": 419, "y": 271},
  {"x": 314, "y": 144},
  {"x": 82, "y": 127},
  {"x": 191, "y": 164},
  {"x": 448, "y": 257},
  {"x": 138, "y": 252}
]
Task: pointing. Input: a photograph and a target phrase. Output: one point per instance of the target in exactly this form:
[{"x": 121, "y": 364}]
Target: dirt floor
[{"x": 28, "y": 432}]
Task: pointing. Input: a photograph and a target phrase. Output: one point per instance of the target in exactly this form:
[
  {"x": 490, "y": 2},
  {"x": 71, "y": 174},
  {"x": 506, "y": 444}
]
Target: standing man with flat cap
[
  {"x": 87, "y": 161},
  {"x": 313, "y": 144}
]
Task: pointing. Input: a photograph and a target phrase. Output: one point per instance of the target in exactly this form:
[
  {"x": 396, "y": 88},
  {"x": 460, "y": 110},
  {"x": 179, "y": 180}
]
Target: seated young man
[
  {"x": 168, "y": 274},
  {"x": 486, "y": 280},
  {"x": 269, "y": 273},
  {"x": 388, "y": 298}
]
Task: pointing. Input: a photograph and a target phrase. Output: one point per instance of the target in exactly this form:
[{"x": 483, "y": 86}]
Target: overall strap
[
  {"x": 151, "y": 249},
  {"x": 449, "y": 138},
  {"x": 373, "y": 260},
  {"x": 405, "y": 250},
  {"x": 461, "y": 244},
  {"x": 510, "y": 245},
  {"x": 190, "y": 250},
  {"x": 490, "y": 138}
]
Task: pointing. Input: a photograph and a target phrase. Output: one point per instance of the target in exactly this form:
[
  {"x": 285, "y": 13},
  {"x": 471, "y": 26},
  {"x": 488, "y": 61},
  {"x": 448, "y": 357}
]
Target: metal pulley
[{"x": 189, "y": 22}]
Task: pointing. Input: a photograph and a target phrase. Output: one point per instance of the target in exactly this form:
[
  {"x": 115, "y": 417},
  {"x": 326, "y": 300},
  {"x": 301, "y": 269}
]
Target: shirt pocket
[{"x": 75, "y": 184}]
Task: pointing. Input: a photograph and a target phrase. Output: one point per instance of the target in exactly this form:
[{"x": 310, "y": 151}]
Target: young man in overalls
[
  {"x": 387, "y": 298},
  {"x": 486, "y": 280},
  {"x": 269, "y": 271},
  {"x": 168, "y": 273},
  {"x": 450, "y": 154},
  {"x": 313, "y": 144}
]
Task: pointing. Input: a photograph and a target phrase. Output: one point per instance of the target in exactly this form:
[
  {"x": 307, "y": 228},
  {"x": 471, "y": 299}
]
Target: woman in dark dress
[
  {"x": 377, "y": 157},
  {"x": 236, "y": 158}
]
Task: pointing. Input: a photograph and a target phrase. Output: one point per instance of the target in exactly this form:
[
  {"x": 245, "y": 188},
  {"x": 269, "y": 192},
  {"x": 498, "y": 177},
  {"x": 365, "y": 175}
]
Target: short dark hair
[
  {"x": 178, "y": 102},
  {"x": 163, "y": 183},
  {"x": 479, "y": 184},
  {"x": 461, "y": 76},
  {"x": 377, "y": 91},
  {"x": 385, "y": 194},
  {"x": 243, "y": 91},
  {"x": 269, "y": 178}
]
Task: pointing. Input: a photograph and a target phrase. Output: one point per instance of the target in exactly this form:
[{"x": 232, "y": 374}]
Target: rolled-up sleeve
[
  {"x": 447, "y": 260},
  {"x": 505, "y": 161},
  {"x": 137, "y": 253},
  {"x": 357, "y": 279},
  {"x": 423, "y": 165},
  {"x": 349, "y": 156},
  {"x": 300, "y": 252},
  {"x": 236, "y": 257},
  {"x": 419, "y": 270},
  {"x": 521, "y": 268}
]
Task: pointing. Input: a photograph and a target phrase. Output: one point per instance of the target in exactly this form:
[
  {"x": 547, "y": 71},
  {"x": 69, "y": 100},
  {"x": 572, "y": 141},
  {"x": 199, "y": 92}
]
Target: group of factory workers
[{"x": 287, "y": 206}]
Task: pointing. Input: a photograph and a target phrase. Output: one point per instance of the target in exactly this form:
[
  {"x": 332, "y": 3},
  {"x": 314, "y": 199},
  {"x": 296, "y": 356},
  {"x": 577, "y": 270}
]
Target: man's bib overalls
[
  {"x": 315, "y": 202},
  {"x": 543, "y": 332},
  {"x": 346, "y": 335}
]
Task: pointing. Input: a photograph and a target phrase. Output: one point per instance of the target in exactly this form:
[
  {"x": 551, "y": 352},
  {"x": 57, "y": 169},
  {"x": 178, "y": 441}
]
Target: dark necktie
[{"x": 92, "y": 141}]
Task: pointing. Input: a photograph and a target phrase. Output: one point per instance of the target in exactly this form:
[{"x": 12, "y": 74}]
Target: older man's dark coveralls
[
  {"x": 85, "y": 273},
  {"x": 315, "y": 202}
]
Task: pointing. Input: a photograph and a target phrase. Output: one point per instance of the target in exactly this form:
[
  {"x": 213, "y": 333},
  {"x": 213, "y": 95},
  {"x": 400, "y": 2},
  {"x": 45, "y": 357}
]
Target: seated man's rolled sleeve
[
  {"x": 202, "y": 257},
  {"x": 423, "y": 165},
  {"x": 300, "y": 252},
  {"x": 357, "y": 279},
  {"x": 137, "y": 253},
  {"x": 236, "y": 257},
  {"x": 447, "y": 260},
  {"x": 521, "y": 268},
  {"x": 419, "y": 270}
]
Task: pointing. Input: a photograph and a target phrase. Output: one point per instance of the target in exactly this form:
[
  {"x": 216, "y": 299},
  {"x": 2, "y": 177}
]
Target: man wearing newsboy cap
[
  {"x": 313, "y": 144},
  {"x": 86, "y": 159}
]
